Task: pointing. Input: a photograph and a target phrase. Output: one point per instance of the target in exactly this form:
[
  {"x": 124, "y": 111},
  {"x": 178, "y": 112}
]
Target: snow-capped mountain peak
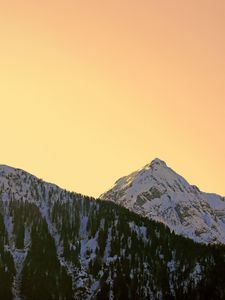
[
  {"x": 157, "y": 162},
  {"x": 159, "y": 193},
  {"x": 165, "y": 176}
]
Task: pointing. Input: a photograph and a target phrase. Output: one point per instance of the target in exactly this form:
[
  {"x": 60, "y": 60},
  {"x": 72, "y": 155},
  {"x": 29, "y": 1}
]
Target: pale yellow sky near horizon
[{"x": 91, "y": 91}]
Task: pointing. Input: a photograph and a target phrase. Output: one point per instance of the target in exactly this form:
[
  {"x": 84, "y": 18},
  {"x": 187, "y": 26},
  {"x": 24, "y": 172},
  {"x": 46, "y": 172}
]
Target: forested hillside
[{"x": 60, "y": 245}]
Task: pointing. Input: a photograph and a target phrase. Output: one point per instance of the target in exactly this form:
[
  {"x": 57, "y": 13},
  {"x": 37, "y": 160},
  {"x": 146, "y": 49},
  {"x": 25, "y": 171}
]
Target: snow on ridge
[
  {"x": 158, "y": 192},
  {"x": 21, "y": 182},
  {"x": 155, "y": 191}
]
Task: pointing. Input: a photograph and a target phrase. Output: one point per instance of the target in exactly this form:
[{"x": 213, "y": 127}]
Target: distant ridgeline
[{"x": 60, "y": 245}]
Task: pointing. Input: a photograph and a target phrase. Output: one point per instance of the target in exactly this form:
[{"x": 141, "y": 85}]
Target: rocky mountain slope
[
  {"x": 60, "y": 245},
  {"x": 159, "y": 193}
]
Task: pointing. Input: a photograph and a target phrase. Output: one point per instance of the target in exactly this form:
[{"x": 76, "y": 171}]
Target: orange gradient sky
[{"x": 92, "y": 90}]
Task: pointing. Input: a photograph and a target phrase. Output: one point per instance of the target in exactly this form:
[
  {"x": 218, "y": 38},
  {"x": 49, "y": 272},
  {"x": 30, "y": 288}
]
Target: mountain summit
[
  {"x": 158, "y": 161},
  {"x": 159, "y": 193}
]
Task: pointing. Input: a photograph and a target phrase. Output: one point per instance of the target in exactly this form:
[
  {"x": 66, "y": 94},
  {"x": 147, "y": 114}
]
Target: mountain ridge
[
  {"x": 56, "y": 244},
  {"x": 158, "y": 192}
]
